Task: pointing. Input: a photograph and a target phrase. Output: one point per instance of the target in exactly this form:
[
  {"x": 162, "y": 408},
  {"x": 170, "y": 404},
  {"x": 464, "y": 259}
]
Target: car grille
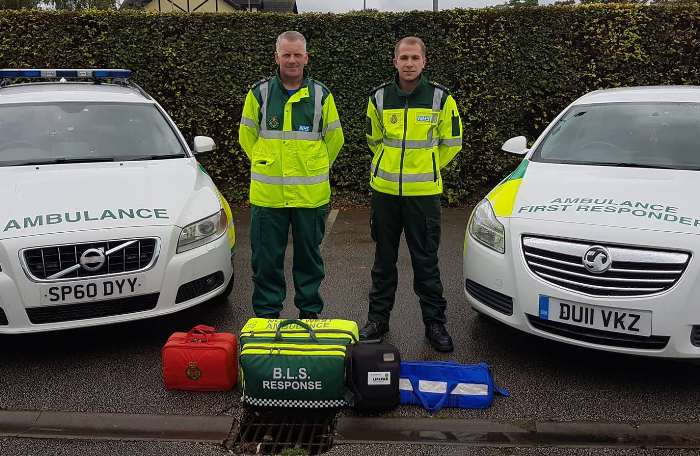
[
  {"x": 83, "y": 311},
  {"x": 493, "y": 299},
  {"x": 634, "y": 271},
  {"x": 43, "y": 262},
  {"x": 596, "y": 336}
]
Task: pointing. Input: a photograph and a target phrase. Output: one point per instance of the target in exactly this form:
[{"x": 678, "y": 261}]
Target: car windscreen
[
  {"x": 82, "y": 132},
  {"x": 653, "y": 135}
]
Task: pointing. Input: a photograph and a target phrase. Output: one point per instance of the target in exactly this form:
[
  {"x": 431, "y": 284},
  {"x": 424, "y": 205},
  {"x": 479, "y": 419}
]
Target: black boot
[
  {"x": 306, "y": 315},
  {"x": 372, "y": 330},
  {"x": 438, "y": 337}
]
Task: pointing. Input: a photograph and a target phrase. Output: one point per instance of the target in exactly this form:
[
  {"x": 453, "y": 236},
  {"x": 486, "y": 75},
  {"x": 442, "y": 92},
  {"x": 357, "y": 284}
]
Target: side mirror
[
  {"x": 517, "y": 145},
  {"x": 203, "y": 144}
]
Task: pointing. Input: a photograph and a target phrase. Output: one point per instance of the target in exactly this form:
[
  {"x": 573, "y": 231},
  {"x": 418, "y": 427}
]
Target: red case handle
[{"x": 200, "y": 333}]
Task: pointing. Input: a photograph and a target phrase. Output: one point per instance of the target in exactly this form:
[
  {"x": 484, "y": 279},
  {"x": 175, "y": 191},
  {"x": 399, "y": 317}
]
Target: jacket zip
[
  {"x": 403, "y": 144},
  {"x": 376, "y": 170},
  {"x": 434, "y": 169},
  {"x": 300, "y": 331}
]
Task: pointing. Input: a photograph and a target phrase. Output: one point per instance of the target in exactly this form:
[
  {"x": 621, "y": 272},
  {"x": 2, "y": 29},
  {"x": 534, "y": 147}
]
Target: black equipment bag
[{"x": 372, "y": 377}]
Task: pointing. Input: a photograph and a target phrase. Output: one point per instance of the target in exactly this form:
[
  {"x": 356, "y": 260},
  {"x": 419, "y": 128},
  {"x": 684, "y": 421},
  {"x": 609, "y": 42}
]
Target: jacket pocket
[
  {"x": 317, "y": 163},
  {"x": 379, "y": 160},
  {"x": 435, "y": 174},
  {"x": 432, "y": 235}
]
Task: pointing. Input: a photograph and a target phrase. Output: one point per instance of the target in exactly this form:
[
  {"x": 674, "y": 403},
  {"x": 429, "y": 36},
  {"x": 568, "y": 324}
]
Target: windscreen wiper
[
  {"x": 60, "y": 161},
  {"x": 153, "y": 157},
  {"x": 639, "y": 165}
]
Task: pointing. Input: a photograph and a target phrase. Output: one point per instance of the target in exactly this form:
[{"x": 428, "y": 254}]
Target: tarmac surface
[{"x": 118, "y": 368}]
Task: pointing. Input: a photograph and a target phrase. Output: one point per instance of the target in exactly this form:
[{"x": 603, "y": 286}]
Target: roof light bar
[{"x": 51, "y": 73}]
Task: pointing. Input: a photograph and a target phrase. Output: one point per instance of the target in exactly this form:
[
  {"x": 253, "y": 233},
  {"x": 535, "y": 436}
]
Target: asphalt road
[{"x": 118, "y": 368}]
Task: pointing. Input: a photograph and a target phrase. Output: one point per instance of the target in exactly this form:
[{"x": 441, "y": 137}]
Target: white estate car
[
  {"x": 592, "y": 240},
  {"x": 105, "y": 214}
]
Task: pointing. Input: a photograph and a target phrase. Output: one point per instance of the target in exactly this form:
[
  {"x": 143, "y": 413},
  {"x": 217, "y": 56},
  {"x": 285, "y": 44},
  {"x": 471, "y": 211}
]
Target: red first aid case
[{"x": 200, "y": 360}]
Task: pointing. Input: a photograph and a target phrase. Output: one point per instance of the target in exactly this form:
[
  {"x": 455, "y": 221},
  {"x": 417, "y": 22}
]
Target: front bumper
[
  {"x": 504, "y": 288},
  {"x": 162, "y": 291}
]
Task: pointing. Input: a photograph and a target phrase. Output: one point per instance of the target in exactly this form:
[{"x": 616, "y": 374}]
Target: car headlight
[
  {"x": 202, "y": 232},
  {"x": 485, "y": 228}
]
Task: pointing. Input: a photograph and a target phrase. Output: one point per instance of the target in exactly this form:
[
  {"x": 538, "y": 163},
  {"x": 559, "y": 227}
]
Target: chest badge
[
  {"x": 273, "y": 123},
  {"x": 393, "y": 119}
]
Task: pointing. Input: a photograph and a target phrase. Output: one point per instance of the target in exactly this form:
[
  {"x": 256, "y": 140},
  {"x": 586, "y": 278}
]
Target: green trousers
[
  {"x": 419, "y": 217},
  {"x": 269, "y": 230}
]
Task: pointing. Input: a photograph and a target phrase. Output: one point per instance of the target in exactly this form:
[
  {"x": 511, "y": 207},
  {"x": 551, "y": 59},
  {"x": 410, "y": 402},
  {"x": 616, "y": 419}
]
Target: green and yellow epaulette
[
  {"x": 371, "y": 92},
  {"x": 439, "y": 86},
  {"x": 255, "y": 84}
]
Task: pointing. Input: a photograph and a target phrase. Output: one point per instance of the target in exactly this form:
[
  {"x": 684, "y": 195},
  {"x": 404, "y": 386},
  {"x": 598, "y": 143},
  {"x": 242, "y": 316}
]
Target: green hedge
[{"x": 511, "y": 70}]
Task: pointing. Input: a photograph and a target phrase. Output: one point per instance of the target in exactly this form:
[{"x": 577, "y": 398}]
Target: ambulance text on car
[
  {"x": 591, "y": 241},
  {"x": 105, "y": 215}
]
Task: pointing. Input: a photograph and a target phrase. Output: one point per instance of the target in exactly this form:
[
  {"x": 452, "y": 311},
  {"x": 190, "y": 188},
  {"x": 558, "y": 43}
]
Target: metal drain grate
[{"x": 271, "y": 432}]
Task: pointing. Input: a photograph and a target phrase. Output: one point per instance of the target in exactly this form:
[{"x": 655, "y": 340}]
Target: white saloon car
[
  {"x": 591, "y": 241},
  {"x": 105, "y": 214}
]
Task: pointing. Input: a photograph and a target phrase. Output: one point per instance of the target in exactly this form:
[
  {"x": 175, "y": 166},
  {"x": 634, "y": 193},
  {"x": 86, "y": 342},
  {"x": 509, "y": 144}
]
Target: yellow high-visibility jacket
[
  {"x": 291, "y": 141},
  {"x": 412, "y": 137}
]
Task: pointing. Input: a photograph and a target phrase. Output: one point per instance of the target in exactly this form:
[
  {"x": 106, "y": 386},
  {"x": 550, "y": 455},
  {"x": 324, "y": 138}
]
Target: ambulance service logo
[
  {"x": 193, "y": 372},
  {"x": 273, "y": 123},
  {"x": 394, "y": 119}
]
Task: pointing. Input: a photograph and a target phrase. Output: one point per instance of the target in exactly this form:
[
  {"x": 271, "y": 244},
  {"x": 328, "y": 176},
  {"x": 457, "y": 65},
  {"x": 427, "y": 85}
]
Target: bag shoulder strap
[{"x": 351, "y": 394}]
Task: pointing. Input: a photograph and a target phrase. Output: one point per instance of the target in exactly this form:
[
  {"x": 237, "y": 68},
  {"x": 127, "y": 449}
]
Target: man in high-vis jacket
[
  {"x": 291, "y": 132},
  {"x": 414, "y": 130}
]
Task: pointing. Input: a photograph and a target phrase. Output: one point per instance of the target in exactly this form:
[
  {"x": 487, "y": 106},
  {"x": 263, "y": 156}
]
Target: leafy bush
[{"x": 511, "y": 70}]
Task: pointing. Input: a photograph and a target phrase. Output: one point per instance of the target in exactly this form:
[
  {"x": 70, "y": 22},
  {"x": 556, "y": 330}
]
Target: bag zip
[
  {"x": 279, "y": 349},
  {"x": 300, "y": 331}
]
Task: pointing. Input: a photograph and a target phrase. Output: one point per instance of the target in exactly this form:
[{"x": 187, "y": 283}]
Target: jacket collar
[
  {"x": 304, "y": 82},
  {"x": 421, "y": 85}
]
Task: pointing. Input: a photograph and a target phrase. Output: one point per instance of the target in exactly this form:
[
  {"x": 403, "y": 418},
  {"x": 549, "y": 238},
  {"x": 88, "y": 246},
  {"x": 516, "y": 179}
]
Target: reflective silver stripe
[
  {"x": 331, "y": 126},
  {"x": 434, "y": 119},
  {"x": 374, "y": 142},
  {"x": 294, "y": 180},
  {"x": 275, "y": 134},
  {"x": 437, "y": 96},
  {"x": 394, "y": 177},
  {"x": 379, "y": 96},
  {"x": 454, "y": 142},
  {"x": 263, "y": 95},
  {"x": 410, "y": 144},
  {"x": 318, "y": 107},
  {"x": 248, "y": 122}
]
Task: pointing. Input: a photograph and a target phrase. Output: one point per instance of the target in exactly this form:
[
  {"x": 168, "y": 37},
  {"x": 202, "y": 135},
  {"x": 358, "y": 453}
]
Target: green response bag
[{"x": 295, "y": 363}]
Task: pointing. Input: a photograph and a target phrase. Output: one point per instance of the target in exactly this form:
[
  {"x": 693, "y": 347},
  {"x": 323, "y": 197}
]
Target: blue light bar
[{"x": 78, "y": 74}]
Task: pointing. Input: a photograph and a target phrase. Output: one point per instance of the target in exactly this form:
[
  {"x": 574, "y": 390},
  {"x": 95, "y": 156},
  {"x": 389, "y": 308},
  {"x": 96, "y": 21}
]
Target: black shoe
[
  {"x": 305, "y": 315},
  {"x": 372, "y": 330},
  {"x": 272, "y": 316},
  {"x": 438, "y": 337}
]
